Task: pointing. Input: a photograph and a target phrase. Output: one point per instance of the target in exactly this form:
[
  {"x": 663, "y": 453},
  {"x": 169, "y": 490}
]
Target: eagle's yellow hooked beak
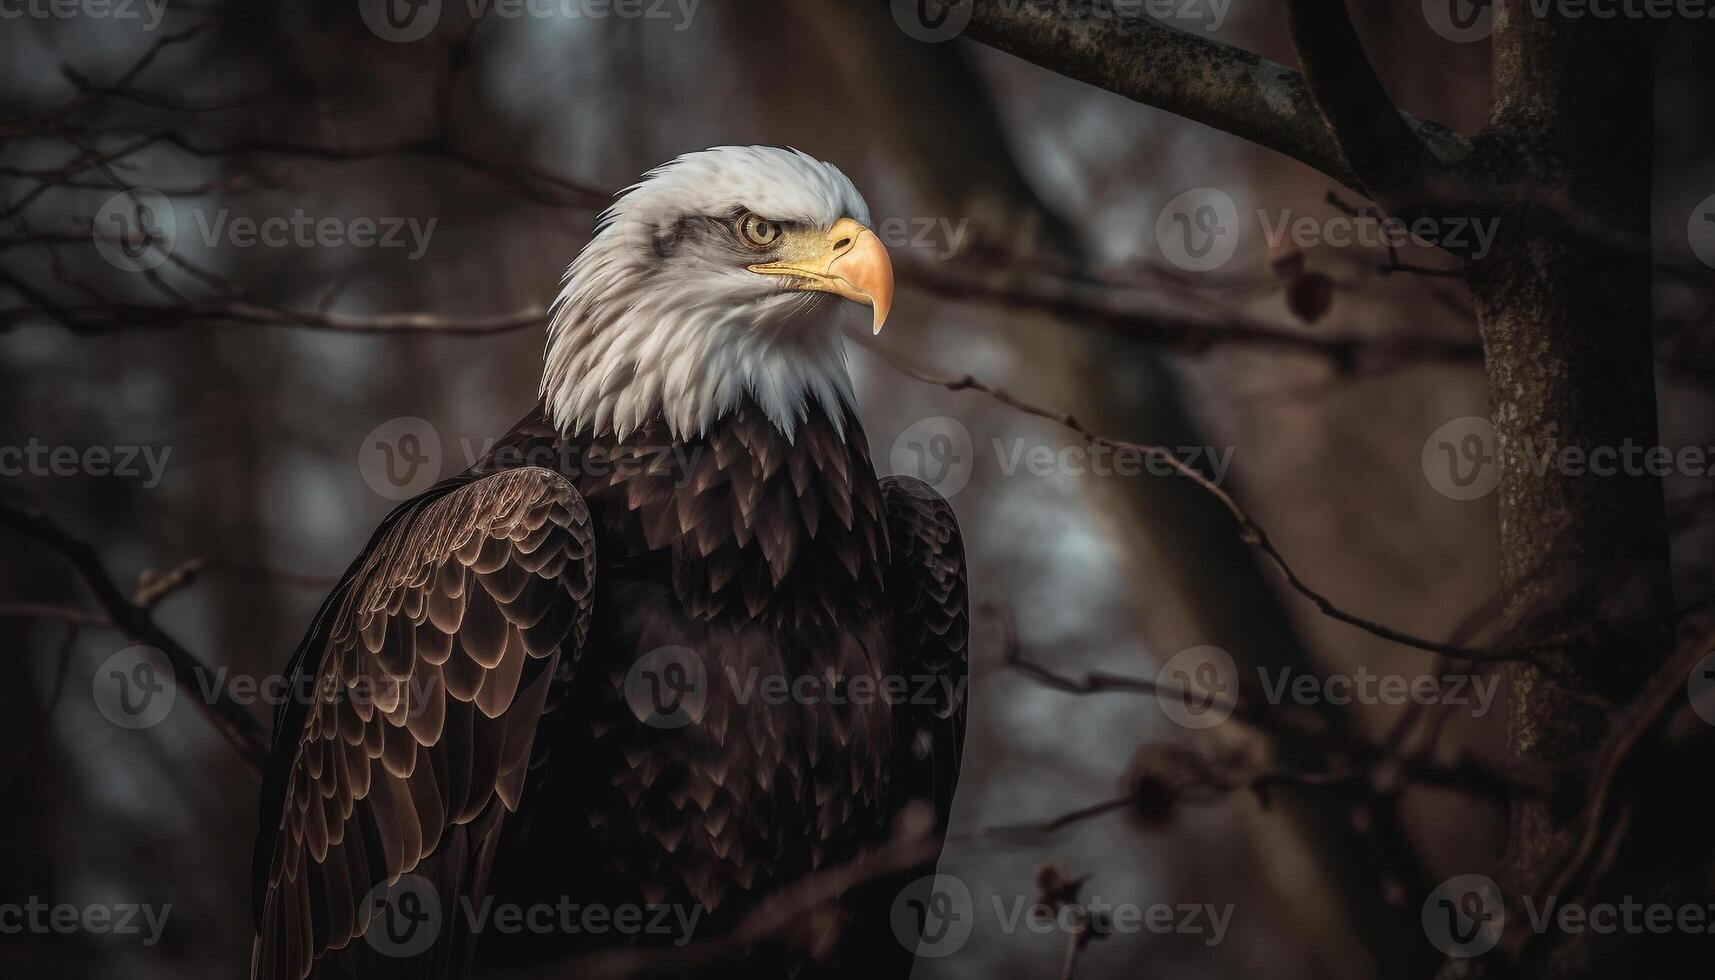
[{"x": 848, "y": 261}]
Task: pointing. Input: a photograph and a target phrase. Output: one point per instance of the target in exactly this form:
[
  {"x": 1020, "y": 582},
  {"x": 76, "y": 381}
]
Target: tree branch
[
  {"x": 1249, "y": 529},
  {"x": 1376, "y": 142},
  {"x": 1203, "y": 80},
  {"x": 233, "y": 721}
]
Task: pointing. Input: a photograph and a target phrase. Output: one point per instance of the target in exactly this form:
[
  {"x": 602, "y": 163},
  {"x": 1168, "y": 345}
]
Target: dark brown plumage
[{"x": 501, "y": 616}]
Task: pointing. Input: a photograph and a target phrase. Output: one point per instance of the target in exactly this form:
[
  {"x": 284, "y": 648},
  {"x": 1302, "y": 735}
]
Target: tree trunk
[{"x": 1564, "y": 305}]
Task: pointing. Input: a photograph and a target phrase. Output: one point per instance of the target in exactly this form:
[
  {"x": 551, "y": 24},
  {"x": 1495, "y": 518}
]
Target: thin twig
[
  {"x": 1249, "y": 530},
  {"x": 233, "y": 721}
]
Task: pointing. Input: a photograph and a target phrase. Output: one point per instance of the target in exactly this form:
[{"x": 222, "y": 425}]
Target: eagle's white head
[{"x": 717, "y": 276}]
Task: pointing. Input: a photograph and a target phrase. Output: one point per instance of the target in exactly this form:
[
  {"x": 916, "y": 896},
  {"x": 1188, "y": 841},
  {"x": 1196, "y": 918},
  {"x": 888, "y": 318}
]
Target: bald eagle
[{"x": 670, "y": 646}]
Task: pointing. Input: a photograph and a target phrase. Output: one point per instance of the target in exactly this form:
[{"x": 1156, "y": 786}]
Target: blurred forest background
[{"x": 261, "y": 370}]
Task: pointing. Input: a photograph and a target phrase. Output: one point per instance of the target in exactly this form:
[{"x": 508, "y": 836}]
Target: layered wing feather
[
  {"x": 931, "y": 627},
  {"x": 435, "y": 665},
  {"x": 929, "y": 608}
]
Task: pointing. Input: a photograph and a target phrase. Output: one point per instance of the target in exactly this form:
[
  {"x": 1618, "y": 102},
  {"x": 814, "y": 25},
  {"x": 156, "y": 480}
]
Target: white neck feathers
[{"x": 626, "y": 343}]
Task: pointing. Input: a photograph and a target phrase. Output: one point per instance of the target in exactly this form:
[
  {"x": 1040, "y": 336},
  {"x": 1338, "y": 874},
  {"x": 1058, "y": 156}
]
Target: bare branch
[
  {"x": 51, "y": 613},
  {"x": 1249, "y": 530},
  {"x": 1203, "y": 80},
  {"x": 1098, "y": 306},
  {"x": 90, "y": 318},
  {"x": 233, "y": 721}
]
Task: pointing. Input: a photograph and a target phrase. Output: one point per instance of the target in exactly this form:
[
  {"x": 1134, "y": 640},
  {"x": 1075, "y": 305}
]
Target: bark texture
[{"x": 1564, "y": 304}]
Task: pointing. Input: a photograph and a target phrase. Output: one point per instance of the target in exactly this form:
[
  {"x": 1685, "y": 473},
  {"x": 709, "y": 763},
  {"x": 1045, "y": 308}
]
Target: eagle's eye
[{"x": 758, "y": 231}]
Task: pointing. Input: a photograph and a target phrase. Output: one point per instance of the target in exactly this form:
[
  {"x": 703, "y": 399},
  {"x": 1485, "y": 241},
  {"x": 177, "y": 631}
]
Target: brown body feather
[{"x": 520, "y": 597}]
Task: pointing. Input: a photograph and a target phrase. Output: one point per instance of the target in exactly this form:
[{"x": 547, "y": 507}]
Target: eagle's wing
[
  {"x": 931, "y": 617},
  {"x": 931, "y": 626},
  {"x": 436, "y": 659}
]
